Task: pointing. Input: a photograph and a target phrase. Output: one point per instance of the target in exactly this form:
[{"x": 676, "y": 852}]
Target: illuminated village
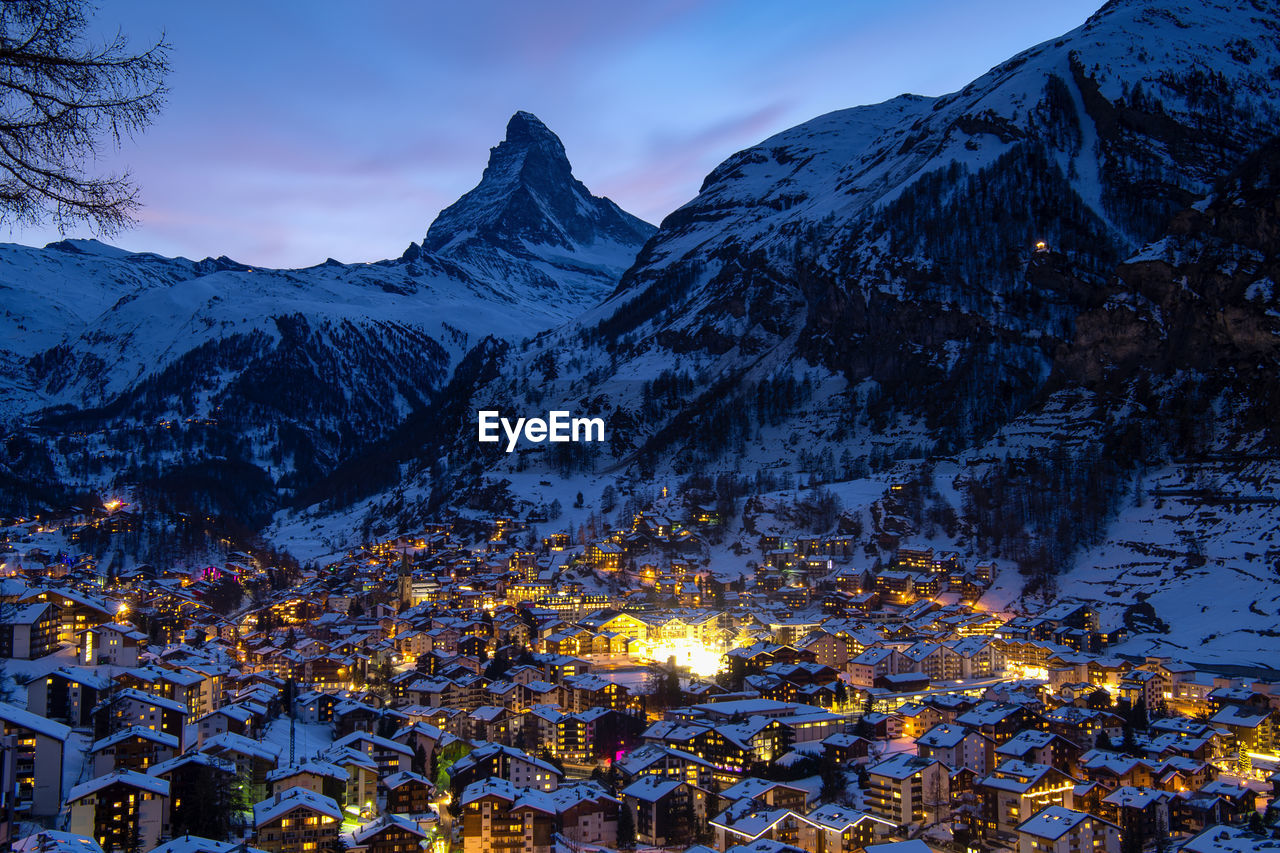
[{"x": 501, "y": 690}]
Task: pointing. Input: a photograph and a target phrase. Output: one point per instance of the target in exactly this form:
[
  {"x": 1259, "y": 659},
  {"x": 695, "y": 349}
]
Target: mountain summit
[
  {"x": 528, "y": 201},
  {"x": 297, "y": 368}
]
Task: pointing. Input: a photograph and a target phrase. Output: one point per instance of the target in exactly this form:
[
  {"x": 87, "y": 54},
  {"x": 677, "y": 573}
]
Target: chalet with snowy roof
[
  {"x": 1082, "y": 725},
  {"x": 907, "y": 788},
  {"x": 1139, "y": 812},
  {"x": 575, "y": 733},
  {"x": 873, "y": 663},
  {"x": 296, "y": 821},
  {"x": 605, "y": 556},
  {"x": 836, "y": 828},
  {"x": 253, "y": 760},
  {"x": 389, "y": 755},
  {"x": 362, "y": 775},
  {"x": 1179, "y": 774},
  {"x": 1035, "y": 746},
  {"x": 1252, "y": 728},
  {"x": 407, "y": 793},
  {"x": 38, "y": 756},
  {"x": 844, "y": 749},
  {"x": 29, "y": 631},
  {"x": 389, "y": 833},
  {"x": 423, "y": 739},
  {"x": 957, "y": 746},
  {"x": 135, "y": 748},
  {"x": 746, "y": 822},
  {"x": 766, "y": 793},
  {"x": 77, "y": 612},
  {"x": 350, "y": 715},
  {"x": 997, "y": 720},
  {"x": 589, "y": 691},
  {"x": 496, "y": 761},
  {"x": 1114, "y": 770},
  {"x": 196, "y": 844},
  {"x": 497, "y": 815},
  {"x": 237, "y": 719},
  {"x": 131, "y": 707},
  {"x": 1015, "y": 789},
  {"x": 120, "y": 809},
  {"x": 538, "y": 728},
  {"x": 1142, "y": 687},
  {"x": 181, "y": 684},
  {"x": 53, "y": 841},
  {"x": 665, "y": 811},
  {"x": 1240, "y": 800},
  {"x": 559, "y": 667},
  {"x": 314, "y": 774},
  {"x": 193, "y": 771},
  {"x": 492, "y": 723},
  {"x": 111, "y": 643},
  {"x": 1056, "y": 829},
  {"x": 67, "y": 695},
  {"x": 653, "y": 759}
]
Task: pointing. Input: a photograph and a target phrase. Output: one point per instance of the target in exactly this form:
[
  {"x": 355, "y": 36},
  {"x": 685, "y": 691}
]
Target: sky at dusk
[{"x": 300, "y": 131}]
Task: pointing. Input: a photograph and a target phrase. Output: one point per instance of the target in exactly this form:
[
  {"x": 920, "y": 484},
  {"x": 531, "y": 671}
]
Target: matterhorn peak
[
  {"x": 529, "y": 196},
  {"x": 527, "y": 129}
]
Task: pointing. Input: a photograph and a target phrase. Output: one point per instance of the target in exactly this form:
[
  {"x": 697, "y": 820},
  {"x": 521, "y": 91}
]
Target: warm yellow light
[
  {"x": 112, "y": 505},
  {"x": 700, "y": 658}
]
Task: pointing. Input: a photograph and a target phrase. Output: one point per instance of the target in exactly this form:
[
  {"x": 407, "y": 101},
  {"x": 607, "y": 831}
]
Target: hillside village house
[
  {"x": 389, "y": 833},
  {"x": 1061, "y": 830},
  {"x": 77, "y": 612},
  {"x": 111, "y": 643},
  {"x": 67, "y": 695},
  {"x": 296, "y": 821},
  {"x": 38, "y": 757},
  {"x": 121, "y": 810},
  {"x": 908, "y": 788},
  {"x": 29, "y": 631}
]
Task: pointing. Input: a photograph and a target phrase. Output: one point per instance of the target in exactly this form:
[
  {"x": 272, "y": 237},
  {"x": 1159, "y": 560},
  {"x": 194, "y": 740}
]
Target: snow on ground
[
  {"x": 1202, "y": 549},
  {"x": 310, "y": 738},
  {"x": 77, "y": 765},
  {"x": 17, "y": 673},
  {"x": 1200, "y": 546}
]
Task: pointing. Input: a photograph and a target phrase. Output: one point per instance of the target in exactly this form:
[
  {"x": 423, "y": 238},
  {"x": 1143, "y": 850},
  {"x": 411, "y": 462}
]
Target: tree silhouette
[{"x": 66, "y": 101}]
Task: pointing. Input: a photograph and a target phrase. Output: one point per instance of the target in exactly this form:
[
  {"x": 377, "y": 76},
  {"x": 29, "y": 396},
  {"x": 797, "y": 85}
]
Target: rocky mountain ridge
[{"x": 118, "y": 367}]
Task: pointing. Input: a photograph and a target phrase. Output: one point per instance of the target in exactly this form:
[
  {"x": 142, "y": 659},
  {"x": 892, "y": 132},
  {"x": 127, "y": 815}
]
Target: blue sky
[{"x": 300, "y": 131}]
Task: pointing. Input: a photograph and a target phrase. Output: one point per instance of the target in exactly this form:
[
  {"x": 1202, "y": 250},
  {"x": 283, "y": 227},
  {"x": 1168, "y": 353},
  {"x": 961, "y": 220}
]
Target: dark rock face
[
  {"x": 892, "y": 244},
  {"x": 528, "y": 195},
  {"x": 1203, "y": 300}
]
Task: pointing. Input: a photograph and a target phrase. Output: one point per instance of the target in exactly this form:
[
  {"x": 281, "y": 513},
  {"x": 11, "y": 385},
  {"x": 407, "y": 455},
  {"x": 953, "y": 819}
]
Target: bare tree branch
[{"x": 63, "y": 102}]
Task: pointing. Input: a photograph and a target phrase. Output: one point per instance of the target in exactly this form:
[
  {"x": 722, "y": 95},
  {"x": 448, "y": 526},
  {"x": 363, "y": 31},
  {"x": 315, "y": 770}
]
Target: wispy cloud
[{"x": 297, "y": 131}]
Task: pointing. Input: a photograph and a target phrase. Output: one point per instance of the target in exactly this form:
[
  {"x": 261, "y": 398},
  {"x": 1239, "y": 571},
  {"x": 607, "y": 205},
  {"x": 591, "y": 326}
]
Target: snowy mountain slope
[
  {"x": 1138, "y": 75},
  {"x": 885, "y": 252},
  {"x": 1202, "y": 549},
  {"x": 290, "y": 372},
  {"x": 1164, "y": 411},
  {"x": 529, "y": 208},
  {"x": 863, "y": 288}
]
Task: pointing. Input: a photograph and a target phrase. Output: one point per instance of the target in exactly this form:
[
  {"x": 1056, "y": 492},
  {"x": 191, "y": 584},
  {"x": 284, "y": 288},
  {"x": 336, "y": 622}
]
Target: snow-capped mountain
[
  {"x": 887, "y": 249},
  {"x": 865, "y": 287},
  {"x": 290, "y": 372},
  {"x": 530, "y": 220}
]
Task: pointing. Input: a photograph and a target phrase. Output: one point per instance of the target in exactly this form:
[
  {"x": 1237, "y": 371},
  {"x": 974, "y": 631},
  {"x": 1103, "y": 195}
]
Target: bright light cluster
[{"x": 701, "y": 659}]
